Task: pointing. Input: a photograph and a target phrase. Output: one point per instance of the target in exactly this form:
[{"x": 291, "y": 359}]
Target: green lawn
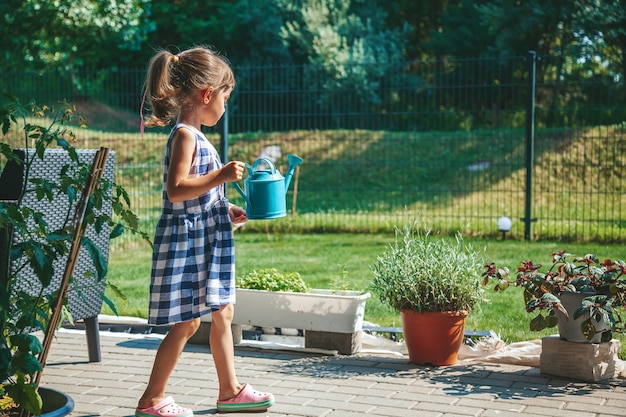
[{"x": 342, "y": 261}]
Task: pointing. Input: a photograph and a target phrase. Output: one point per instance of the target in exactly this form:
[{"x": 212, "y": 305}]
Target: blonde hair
[{"x": 171, "y": 79}]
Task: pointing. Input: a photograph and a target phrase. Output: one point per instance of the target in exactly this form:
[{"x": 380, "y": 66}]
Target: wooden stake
[{"x": 295, "y": 191}]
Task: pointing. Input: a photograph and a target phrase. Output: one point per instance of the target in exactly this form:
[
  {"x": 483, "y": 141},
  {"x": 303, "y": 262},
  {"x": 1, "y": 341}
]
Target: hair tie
[
  {"x": 176, "y": 59},
  {"x": 143, "y": 101}
]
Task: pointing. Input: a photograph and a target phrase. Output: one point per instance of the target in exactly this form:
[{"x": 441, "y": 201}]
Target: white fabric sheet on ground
[
  {"x": 488, "y": 349},
  {"x": 493, "y": 349}
]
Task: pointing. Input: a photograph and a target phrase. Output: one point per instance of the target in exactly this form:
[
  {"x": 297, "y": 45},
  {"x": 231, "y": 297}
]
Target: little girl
[{"x": 193, "y": 264}]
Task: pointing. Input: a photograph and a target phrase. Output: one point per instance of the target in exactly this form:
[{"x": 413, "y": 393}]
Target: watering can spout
[{"x": 294, "y": 161}]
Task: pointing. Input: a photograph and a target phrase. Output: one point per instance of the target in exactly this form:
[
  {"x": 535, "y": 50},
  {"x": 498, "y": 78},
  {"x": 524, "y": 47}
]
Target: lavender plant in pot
[
  {"x": 580, "y": 295},
  {"x": 434, "y": 283}
]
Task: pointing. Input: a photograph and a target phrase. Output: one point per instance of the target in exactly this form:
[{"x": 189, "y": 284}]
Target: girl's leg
[
  {"x": 223, "y": 350},
  {"x": 232, "y": 395},
  {"x": 165, "y": 360}
]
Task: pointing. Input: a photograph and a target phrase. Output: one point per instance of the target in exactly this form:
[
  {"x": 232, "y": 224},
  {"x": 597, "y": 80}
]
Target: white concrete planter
[{"x": 318, "y": 310}]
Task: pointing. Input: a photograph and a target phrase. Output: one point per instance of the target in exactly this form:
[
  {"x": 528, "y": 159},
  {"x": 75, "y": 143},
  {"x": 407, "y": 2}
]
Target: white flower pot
[{"x": 569, "y": 329}]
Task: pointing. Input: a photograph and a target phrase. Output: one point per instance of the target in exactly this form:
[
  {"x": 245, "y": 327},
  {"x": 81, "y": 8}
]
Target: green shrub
[{"x": 270, "y": 279}]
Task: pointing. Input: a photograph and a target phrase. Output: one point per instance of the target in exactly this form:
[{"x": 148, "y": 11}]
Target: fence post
[
  {"x": 224, "y": 143},
  {"x": 530, "y": 142}
]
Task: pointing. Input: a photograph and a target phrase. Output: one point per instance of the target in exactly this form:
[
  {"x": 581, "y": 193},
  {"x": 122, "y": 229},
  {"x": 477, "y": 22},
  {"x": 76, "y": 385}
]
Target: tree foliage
[
  {"x": 356, "y": 44},
  {"x": 66, "y": 34},
  {"x": 53, "y": 33},
  {"x": 332, "y": 36}
]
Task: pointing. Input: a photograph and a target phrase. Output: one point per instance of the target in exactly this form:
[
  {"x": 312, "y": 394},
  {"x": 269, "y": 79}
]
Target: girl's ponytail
[{"x": 160, "y": 92}]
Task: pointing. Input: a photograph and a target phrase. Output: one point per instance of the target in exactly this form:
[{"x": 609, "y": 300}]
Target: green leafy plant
[
  {"x": 270, "y": 279},
  {"x": 426, "y": 274},
  {"x": 602, "y": 282},
  {"x": 39, "y": 246},
  {"x": 339, "y": 283}
]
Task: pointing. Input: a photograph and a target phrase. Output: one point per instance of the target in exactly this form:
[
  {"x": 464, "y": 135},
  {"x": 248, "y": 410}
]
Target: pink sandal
[
  {"x": 247, "y": 400},
  {"x": 166, "y": 408}
]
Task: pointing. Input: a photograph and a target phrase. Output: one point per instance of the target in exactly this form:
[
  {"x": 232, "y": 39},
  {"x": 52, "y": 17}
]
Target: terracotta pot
[
  {"x": 569, "y": 329},
  {"x": 433, "y": 338}
]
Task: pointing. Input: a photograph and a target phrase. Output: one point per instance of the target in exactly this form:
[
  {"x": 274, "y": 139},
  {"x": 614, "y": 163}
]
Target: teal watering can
[{"x": 266, "y": 190}]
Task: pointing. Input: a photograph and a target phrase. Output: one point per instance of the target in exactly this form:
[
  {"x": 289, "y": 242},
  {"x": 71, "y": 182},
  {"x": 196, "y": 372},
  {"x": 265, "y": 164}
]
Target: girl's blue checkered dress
[{"x": 193, "y": 263}]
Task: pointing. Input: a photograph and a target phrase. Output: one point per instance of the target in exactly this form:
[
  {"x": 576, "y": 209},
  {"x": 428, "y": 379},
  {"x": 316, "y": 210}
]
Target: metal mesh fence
[{"x": 445, "y": 142}]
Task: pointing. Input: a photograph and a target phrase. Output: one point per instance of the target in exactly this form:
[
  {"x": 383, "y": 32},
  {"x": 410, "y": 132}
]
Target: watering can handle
[{"x": 271, "y": 165}]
